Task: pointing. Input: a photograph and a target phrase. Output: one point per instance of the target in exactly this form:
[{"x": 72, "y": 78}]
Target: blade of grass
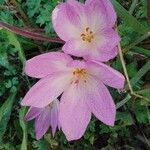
[
  {"x": 140, "y": 73},
  {"x": 129, "y": 19},
  {"x": 137, "y": 41},
  {"x": 21, "y": 12},
  {"x": 141, "y": 50},
  {"x": 124, "y": 101},
  {"x": 133, "y": 6},
  {"x": 145, "y": 92},
  {"x": 23, "y": 125},
  {"x": 126, "y": 74},
  {"x": 5, "y": 112},
  {"x": 14, "y": 41}
]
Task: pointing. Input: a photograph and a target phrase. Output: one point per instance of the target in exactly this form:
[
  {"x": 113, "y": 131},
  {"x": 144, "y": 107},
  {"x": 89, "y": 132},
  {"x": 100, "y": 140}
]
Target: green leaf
[
  {"x": 133, "y": 6},
  {"x": 15, "y": 42},
  {"x": 136, "y": 42},
  {"x": 23, "y": 125},
  {"x": 145, "y": 92},
  {"x": 5, "y": 112},
  {"x": 141, "y": 114},
  {"x": 7, "y": 146},
  {"x": 140, "y": 73},
  {"x": 40, "y": 145},
  {"x": 129, "y": 19},
  {"x": 142, "y": 51},
  {"x": 125, "y": 118}
]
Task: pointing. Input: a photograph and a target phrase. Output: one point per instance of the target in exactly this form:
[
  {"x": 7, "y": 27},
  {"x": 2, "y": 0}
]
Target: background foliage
[{"x": 132, "y": 129}]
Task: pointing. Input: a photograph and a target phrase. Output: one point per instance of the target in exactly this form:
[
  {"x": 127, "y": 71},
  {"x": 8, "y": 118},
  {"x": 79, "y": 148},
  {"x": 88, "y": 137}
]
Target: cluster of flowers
[{"x": 71, "y": 90}]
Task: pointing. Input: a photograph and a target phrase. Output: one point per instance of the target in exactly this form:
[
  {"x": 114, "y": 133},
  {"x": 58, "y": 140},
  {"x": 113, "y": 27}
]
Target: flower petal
[
  {"x": 74, "y": 114},
  {"x": 101, "y": 103},
  {"x": 110, "y": 39},
  {"x": 97, "y": 17},
  {"x": 66, "y": 21},
  {"x": 42, "y": 123},
  {"x": 45, "y": 64},
  {"x": 54, "y": 116},
  {"x": 104, "y": 46},
  {"x": 110, "y": 11},
  {"x": 102, "y": 10},
  {"x": 46, "y": 90},
  {"x": 32, "y": 113},
  {"x": 76, "y": 47},
  {"x": 78, "y": 6},
  {"x": 103, "y": 56},
  {"x": 106, "y": 74},
  {"x": 77, "y": 64}
]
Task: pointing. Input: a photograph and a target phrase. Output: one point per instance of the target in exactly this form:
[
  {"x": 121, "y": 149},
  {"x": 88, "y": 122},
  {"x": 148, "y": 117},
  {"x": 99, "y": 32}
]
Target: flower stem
[
  {"x": 29, "y": 34},
  {"x": 127, "y": 76}
]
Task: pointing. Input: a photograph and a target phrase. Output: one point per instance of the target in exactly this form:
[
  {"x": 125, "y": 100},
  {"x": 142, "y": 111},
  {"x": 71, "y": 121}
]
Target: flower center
[
  {"x": 79, "y": 72},
  {"x": 87, "y": 36}
]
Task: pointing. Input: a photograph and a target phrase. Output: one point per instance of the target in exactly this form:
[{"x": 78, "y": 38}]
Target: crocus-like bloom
[
  {"x": 87, "y": 29},
  {"x": 83, "y": 86},
  {"x": 44, "y": 118}
]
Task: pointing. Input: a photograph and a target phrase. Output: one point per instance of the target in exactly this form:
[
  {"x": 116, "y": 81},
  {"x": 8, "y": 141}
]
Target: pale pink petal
[
  {"x": 54, "y": 116},
  {"x": 78, "y": 6},
  {"x": 32, "y": 113},
  {"x": 66, "y": 21},
  {"x": 107, "y": 40},
  {"x": 106, "y": 74},
  {"x": 110, "y": 11},
  {"x": 45, "y": 64},
  {"x": 77, "y": 64},
  {"x": 74, "y": 114},
  {"x": 102, "y": 56},
  {"x": 97, "y": 16},
  {"x": 102, "y": 12},
  {"x": 46, "y": 90},
  {"x": 100, "y": 102},
  {"x": 79, "y": 48},
  {"x": 76, "y": 47},
  {"x": 104, "y": 46},
  {"x": 42, "y": 122}
]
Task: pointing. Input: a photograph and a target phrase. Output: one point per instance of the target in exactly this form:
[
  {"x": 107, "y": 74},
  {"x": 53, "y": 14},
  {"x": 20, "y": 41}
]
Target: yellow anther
[
  {"x": 78, "y": 72},
  {"x": 88, "y": 35}
]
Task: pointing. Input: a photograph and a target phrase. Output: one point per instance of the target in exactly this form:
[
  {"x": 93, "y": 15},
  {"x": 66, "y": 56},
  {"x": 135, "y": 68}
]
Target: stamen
[
  {"x": 79, "y": 76},
  {"x": 87, "y": 36},
  {"x": 83, "y": 35},
  {"x": 76, "y": 82},
  {"x": 83, "y": 38},
  {"x": 79, "y": 72},
  {"x": 87, "y": 29}
]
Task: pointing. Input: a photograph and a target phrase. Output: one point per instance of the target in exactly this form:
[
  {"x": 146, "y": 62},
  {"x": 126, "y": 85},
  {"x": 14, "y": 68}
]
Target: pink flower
[
  {"x": 44, "y": 118},
  {"x": 83, "y": 86},
  {"x": 87, "y": 29}
]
